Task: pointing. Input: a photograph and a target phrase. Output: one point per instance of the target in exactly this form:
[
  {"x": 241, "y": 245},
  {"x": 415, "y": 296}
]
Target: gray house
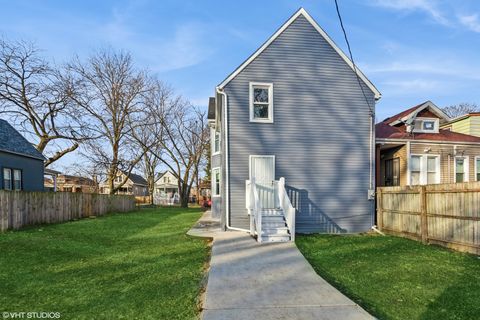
[
  {"x": 293, "y": 139},
  {"x": 21, "y": 164}
]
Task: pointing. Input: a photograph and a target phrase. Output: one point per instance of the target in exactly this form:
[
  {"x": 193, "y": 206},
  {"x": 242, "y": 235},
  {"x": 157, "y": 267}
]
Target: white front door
[{"x": 263, "y": 169}]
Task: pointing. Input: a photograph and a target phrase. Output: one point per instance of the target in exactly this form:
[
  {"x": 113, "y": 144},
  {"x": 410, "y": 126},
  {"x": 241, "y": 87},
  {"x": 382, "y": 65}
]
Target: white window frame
[
  {"x": 423, "y": 168},
  {"x": 10, "y": 187},
  {"x": 214, "y": 182},
  {"x": 213, "y": 134},
  {"x": 466, "y": 166},
  {"x": 13, "y": 179},
  {"x": 435, "y": 126},
  {"x": 270, "y": 102},
  {"x": 476, "y": 170}
]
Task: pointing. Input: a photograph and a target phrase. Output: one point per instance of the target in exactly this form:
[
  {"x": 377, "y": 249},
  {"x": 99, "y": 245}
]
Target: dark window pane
[
  {"x": 260, "y": 111},
  {"x": 260, "y": 95},
  {"x": 459, "y": 177}
]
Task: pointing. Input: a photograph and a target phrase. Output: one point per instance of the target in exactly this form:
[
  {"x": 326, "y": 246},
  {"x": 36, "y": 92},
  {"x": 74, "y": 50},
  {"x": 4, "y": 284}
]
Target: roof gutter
[{"x": 227, "y": 169}]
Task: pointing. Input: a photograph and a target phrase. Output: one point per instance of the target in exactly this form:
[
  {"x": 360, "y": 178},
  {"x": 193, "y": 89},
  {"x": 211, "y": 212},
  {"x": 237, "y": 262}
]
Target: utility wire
[{"x": 372, "y": 112}]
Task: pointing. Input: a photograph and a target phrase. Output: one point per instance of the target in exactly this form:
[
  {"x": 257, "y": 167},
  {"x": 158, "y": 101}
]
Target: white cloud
[
  {"x": 429, "y": 7},
  {"x": 472, "y": 22},
  {"x": 418, "y": 84}
]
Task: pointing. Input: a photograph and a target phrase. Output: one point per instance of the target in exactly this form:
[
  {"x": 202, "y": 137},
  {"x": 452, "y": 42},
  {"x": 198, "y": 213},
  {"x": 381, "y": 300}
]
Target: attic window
[
  {"x": 426, "y": 125},
  {"x": 261, "y": 102}
]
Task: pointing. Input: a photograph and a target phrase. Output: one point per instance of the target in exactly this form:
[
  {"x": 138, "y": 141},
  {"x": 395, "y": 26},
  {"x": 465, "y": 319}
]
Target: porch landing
[{"x": 248, "y": 280}]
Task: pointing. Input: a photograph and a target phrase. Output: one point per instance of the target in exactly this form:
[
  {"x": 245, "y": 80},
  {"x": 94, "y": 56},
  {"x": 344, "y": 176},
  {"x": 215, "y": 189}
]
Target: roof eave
[{"x": 317, "y": 27}]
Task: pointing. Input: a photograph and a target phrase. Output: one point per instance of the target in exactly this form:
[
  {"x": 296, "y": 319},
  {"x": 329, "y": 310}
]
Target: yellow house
[{"x": 466, "y": 124}]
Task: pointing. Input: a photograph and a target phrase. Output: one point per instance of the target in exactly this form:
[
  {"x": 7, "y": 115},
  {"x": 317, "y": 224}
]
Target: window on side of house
[
  {"x": 216, "y": 143},
  {"x": 424, "y": 169},
  {"x": 7, "y": 179},
  {"x": 461, "y": 169},
  {"x": 415, "y": 169},
  {"x": 261, "y": 102},
  {"x": 432, "y": 170},
  {"x": 477, "y": 168},
  {"x": 17, "y": 179},
  {"x": 216, "y": 182}
]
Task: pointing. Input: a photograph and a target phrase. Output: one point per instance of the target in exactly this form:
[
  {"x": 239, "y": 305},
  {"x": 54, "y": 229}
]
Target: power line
[{"x": 372, "y": 112}]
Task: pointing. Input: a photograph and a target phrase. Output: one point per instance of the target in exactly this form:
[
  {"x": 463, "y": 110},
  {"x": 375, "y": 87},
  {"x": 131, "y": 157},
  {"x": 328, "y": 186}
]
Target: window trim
[
  {"x": 435, "y": 126},
  {"x": 3, "y": 178},
  {"x": 213, "y": 133},
  {"x": 214, "y": 182},
  {"x": 466, "y": 166},
  {"x": 13, "y": 179},
  {"x": 270, "y": 101},
  {"x": 475, "y": 167},
  {"x": 424, "y": 168}
]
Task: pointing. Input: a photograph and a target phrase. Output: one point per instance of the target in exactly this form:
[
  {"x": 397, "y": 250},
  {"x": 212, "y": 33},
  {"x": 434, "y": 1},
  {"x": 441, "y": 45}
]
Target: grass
[
  {"x": 396, "y": 278},
  {"x": 138, "y": 265}
]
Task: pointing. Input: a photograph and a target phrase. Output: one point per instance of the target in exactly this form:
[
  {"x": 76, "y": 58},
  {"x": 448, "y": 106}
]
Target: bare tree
[
  {"x": 183, "y": 136},
  {"x": 109, "y": 89},
  {"x": 34, "y": 95},
  {"x": 460, "y": 109}
]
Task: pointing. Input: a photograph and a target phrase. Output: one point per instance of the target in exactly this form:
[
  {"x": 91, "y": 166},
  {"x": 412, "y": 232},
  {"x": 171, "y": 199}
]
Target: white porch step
[
  {"x": 268, "y": 219},
  {"x": 275, "y": 231},
  {"x": 273, "y": 224},
  {"x": 272, "y": 212},
  {"x": 276, "y": 238}
]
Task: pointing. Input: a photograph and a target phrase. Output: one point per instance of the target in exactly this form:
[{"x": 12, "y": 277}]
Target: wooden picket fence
[
  {"x": 18, "y": 209},
  {"x": 443, "y": 214}
]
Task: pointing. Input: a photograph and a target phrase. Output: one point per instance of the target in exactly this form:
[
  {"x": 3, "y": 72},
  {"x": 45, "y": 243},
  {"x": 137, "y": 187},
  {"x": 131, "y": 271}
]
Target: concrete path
[{"x": 248, "y": 280}]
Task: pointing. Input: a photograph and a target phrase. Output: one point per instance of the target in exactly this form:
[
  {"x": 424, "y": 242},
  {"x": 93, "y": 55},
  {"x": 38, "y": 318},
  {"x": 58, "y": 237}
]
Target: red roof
[
  {"x": 384, "y": 131},
  {"x": 403, "y": 113}
]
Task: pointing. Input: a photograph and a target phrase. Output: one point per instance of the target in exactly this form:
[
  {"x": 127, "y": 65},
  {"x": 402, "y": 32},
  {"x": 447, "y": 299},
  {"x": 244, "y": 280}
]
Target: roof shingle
[{"x": 12, "y": 141}]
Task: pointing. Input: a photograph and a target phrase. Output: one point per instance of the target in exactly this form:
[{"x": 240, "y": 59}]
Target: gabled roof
[
  {"x": 412, "y": 112},
  {"x": 12, "y": 141},
  {"x": 304, "y": 13},
  {"x": 137, "y": 179},
  {"x": 387, "y": 129},
  {"x": 160, "y": 175},
  {"x": 464, "y": 116}
]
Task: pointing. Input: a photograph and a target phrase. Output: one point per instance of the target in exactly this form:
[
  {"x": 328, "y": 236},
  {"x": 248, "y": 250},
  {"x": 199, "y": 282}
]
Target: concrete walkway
[{"x": 248, "y": 280}]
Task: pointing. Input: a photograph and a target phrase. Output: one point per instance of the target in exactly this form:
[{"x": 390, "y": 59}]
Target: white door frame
[{"x": 259, "y": 156}]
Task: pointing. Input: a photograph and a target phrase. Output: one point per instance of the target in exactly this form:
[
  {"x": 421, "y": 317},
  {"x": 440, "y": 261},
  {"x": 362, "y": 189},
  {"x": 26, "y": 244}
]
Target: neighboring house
[
  {"x": 21, "y": 164},
  {"x": 412, "y": 149},
  {"x": 467, "y": 124},
  {"x": 166, "y": 184},
  {"x": 136, "y": 185},
  {"x": 69, "y": 183},
  {"x": 294, "y": 109}
]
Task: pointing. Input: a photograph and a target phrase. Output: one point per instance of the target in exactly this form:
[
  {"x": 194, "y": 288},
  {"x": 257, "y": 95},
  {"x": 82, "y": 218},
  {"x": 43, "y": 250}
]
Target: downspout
[
  {"x": 372, "y": 189},
  {"x": 227, "y": 169}
]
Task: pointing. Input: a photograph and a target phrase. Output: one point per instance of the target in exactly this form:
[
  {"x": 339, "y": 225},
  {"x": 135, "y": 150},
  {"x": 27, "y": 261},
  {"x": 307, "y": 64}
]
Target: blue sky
[{"x": 412, "y": 50}]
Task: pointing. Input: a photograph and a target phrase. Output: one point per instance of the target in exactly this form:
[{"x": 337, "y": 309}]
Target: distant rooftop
[{"x": 12, "y": 141}]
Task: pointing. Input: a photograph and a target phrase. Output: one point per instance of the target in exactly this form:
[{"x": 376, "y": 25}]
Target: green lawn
[
  {"x": 138, "y": 265},
  {"x": 396, "y": 278}
]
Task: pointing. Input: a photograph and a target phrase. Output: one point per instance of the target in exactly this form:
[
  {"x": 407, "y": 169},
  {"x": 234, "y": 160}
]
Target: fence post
[
  {"x": 423, "y": 215},
  {"x": 379, "y": 209}
]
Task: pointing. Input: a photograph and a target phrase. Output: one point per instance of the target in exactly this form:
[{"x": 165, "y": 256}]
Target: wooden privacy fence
[
  {"x": 19, "y": 209},
  {"x": 443, "y": 214}
]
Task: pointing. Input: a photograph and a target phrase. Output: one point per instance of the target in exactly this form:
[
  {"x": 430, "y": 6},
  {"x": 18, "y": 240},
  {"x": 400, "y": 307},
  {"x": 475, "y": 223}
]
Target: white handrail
[
  {"x": 287, "y": 207},
  {"x": 253, "y": 206}
]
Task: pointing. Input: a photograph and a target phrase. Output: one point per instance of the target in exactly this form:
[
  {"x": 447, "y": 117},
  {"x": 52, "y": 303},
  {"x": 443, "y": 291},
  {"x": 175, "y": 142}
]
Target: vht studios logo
[{"x": 31, "y": 315}]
